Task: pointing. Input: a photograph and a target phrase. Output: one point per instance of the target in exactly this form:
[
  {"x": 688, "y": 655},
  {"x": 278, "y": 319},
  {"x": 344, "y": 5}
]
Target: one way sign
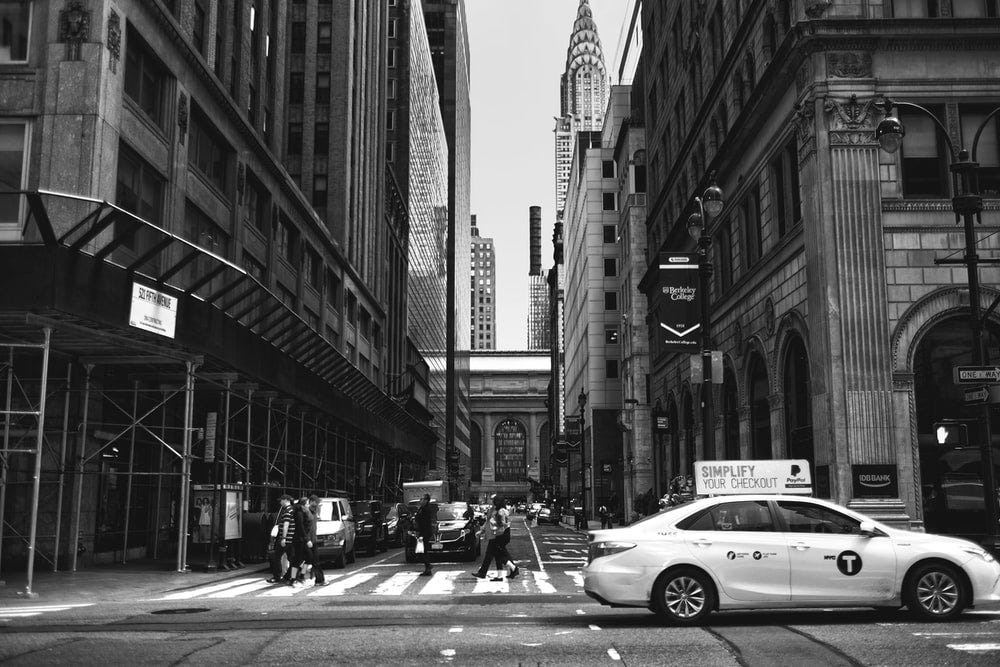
[{"x": 976, "y": 374}]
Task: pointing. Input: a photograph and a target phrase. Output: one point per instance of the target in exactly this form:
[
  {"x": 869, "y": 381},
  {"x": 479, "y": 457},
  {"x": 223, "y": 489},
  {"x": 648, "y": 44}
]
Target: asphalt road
[{"x": 381, "y": 613}]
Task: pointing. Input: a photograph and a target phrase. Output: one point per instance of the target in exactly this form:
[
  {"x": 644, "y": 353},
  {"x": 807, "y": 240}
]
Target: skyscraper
[
  {"x": 482, "y": 314},
  {"x": 538, "y": 288},
  {"x": 583, "y": 94}
]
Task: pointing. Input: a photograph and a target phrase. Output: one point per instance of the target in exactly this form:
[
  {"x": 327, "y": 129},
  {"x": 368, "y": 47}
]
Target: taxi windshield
[{"x": 658, "y": 515}]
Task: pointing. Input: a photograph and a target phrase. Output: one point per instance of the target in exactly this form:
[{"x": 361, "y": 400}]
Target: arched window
[
  {"x": 798, "y": 402},
  {"x": 760, "y": 411},
  {"x": 476, "y": 449},
  {"x": 690, "y": 450},
  {"x": 511, "y": 445},
  {"x": 730, "y": 415},
  {"x": 750, "y": 66},
  {"x": 770, "y": 35}
]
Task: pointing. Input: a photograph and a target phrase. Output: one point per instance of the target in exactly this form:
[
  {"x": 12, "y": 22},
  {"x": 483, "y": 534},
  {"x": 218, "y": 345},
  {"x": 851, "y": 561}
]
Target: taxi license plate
[{"x": 437, "y": 545}]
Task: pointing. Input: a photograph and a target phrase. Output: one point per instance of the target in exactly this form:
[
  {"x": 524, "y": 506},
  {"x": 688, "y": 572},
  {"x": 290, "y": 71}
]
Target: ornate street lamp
[
  {"x": 582, "y": 402},
  {"x": 967, "y": 202},
  {"x": 710, "y": 204}
]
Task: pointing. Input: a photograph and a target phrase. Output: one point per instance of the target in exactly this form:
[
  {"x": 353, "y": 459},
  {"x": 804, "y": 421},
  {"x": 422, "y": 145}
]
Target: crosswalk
[
  {"x": 27, "y": 611},
  {"x": 374, "y": 583}
]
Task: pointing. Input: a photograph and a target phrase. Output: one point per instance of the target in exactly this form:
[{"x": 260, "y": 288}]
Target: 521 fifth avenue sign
[
  {"x": 678, "y": 304},
  {"x": 153, "y": 310}
]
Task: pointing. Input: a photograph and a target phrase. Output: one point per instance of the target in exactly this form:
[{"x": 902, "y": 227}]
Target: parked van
[{"x": 335, "y": 531}]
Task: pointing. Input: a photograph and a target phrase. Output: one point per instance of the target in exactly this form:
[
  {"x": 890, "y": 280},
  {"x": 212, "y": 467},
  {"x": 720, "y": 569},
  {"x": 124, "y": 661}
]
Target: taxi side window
[
  {"x": 743, "y": 516},
  {"x": 809, "y": 518}
]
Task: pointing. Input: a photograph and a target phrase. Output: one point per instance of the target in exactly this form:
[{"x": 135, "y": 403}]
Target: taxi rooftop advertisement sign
[{"x": 717, "y": 478}]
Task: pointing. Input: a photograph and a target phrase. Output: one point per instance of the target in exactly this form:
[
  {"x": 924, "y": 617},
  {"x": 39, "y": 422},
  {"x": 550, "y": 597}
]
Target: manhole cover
[{"x": 182, "y": 610}]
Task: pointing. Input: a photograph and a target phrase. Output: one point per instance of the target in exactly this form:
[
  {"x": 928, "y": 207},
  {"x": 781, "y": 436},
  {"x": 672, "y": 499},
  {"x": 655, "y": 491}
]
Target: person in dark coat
[
  {"x": 496, "y": 532},
  {"x": 426, "y": 517},
  {"x": 285, "y": 524},
  {"x": 318, "y": 578}
]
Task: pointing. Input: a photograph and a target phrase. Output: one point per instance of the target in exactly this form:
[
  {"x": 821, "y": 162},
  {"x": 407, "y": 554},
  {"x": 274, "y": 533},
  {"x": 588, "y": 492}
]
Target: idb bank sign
[
  {"x": 719, "y": 478},
  {"x": 678, "y": 301}
]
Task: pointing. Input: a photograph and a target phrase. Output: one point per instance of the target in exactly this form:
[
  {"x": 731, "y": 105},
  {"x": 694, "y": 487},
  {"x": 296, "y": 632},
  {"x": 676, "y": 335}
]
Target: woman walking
[{"x": 496, "y": 531}]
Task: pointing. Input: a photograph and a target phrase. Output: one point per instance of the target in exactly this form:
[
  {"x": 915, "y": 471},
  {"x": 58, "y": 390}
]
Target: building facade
[
  {"x": 838, "y": 331},
  {"x": 204, "y": 306},
  {"x": 482, "y": 279}
]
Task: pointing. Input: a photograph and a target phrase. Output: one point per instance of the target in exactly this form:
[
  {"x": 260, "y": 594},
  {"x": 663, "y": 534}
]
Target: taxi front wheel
[
  {"x": 684, "y": 596},
  {"x": 935, "y": 592}
]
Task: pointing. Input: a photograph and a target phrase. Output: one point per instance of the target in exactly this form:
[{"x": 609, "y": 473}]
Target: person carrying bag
[{"x": 496, "y": 532}]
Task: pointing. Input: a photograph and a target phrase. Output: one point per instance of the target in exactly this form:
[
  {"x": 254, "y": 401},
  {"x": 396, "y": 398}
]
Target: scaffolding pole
[
  {"x": 131, "y": 464},
  {"x": 182, "y": 510},
  {"x": 78, "y": 477},
  {"x": 62, "y": 467},
  {"x": 3, "y": 455},
  {"x": 37, "y": 480}
]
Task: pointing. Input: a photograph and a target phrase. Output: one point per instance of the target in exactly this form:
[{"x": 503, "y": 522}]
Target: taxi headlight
[
  {"x": 982, "y": 553},
  {"x": 601, "y": 549},
  {"x": 339, "y": 537}
]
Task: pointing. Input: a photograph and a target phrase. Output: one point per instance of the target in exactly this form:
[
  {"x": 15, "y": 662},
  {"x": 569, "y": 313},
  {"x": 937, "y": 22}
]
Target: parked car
[
  {"x": 532, "y": 510},
  {"x": 770, "y": 552},
  {"x": 546, "y": 515},
  {"x": 520, "y": 507},
  {"x": 370, "y": 526},
  {"x": 335, "y": 531},
  {"x": 454, "y": 533},
  {"x": 397, "y": 521}
]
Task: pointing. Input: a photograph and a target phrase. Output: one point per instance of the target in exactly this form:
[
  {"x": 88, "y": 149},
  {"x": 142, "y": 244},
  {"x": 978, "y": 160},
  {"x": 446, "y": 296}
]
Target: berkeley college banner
[{"x": 677, "y": 301}]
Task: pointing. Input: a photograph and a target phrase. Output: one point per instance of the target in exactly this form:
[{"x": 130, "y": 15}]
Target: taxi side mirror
[{"x": 868, "y": 529}]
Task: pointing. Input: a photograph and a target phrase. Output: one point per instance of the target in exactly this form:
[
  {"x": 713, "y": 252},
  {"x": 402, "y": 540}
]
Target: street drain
[{"x": 182, "y": 610}]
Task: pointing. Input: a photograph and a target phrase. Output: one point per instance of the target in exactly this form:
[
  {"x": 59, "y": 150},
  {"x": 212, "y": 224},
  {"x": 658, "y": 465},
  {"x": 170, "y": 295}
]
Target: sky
[{"x": 517, "y": 53}]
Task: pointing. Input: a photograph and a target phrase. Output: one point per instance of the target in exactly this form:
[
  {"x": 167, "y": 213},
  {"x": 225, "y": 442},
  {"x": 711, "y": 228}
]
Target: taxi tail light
[{"x": 600, "y": 549}]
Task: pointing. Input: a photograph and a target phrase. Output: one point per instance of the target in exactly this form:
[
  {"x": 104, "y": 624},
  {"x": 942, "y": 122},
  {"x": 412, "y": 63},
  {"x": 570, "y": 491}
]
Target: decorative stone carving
[
  {"x": 74, "y": 28},
  {"x": 951, "y": 120},
  {"x": 852, "y": 138},
  {"x": 802, "y": 76},
  {"x": 802, "y": 117},
  {"x": 849, "y": 64},
  {"x": 850, "y": 114},
  {"x": 769, "y": 317},
  {"x": 182, "y": 118},
  {"x": 114, "y": 40},
  {"x": 816, "y": 8}
]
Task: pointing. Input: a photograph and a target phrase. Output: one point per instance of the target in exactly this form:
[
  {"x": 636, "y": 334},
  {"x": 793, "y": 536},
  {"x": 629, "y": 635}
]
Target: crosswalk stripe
[
  {"x": 19, "y": 614},
  {"x": 975, "y": 648},
  {"x": 441, "y": 583},
  {"x": 47, "y": 607},
  {"x": 576, "y": 576},
  {"x": 338, "y": 587},
  {"x": 205, "y": 590},
  {"x": 396, "y": 584},
  {"x": 240, "y": 590},
  {"x": 487, "y": 586},
  {"x": 542, "y": 582}
]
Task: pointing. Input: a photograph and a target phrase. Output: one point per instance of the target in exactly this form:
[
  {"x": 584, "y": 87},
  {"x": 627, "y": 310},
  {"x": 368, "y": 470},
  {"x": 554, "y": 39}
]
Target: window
[
  {"x": 352, "y": 308},
  {"x": 13, "y": 169},
  {"x": 809, "y": 518},
  {"x": 139, "y": 186},
  {"x": 390, "y": 120},
  {"x": 610, "y": 268},
  {"x": 974, "y": 8},
  {"x": 785, "y": 188},
  {"x": 610, "y": 369},
  {"x": 319, "y": 191},
  {"x": 750, "y": 212},
  {"x": 321, "y": 139},
  {"x": 743, "y": 515},
  {"x": 914, "y": 8},
  {"x": 296, "y": 87},
  {"x": 295, "y": 138},
  {"x": 15, "y": 17},
  {"x": 607, "y": 169},
  {"x": 312, "y": 268},
  {"x": 988, "y": 148},
  {"x": 609, "y": 234},
  {"x": 322, "y": 87},
  {"x": 287, "y": 296},
  {"x": 255, "y": 212},
  {"x": 145, "y": 77},
  {"x": 391, "y": 89},
  {"x": 391, "y": 58},
  {"x": 298, "y": 38},
  {"x": 286, "y": 240},
  {"x": 207, "y": 151},
  {"x": 200, "y": 27},
  {"x": 611, "y": 336},
  {"x": 611, "y": 301},
  {"x": 203, "y": 232},
  {"x": 390, "y": 151},
  {"x": 332, "y": 290},
  {"x": 392, "y": 28},
  {"x": 724, "y": 256},
  {"x": 922, "y": 156},
  {"x": 324, "y": 37},
  {"x": 609, "y": 201}
]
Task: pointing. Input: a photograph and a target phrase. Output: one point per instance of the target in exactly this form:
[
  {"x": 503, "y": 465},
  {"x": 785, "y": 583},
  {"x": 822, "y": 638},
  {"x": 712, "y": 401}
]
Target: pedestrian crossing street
[
  {"x": 27, "y": 611},
  {"x": 443, "y": 582}
]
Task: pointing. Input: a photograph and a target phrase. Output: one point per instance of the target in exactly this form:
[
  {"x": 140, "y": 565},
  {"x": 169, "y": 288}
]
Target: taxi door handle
[
  {"x": 702, "y": 542},
  {"x": 801, "y": 546}
]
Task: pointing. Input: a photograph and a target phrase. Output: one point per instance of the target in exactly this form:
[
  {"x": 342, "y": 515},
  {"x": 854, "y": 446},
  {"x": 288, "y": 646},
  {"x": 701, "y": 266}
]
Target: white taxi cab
[{"x": 782, "y": 551}]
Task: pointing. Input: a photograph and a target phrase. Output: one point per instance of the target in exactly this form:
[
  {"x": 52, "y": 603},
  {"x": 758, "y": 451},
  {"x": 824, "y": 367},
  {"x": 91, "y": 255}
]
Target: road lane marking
[
  {"x": 974, "y": 648},
  {"x": 441, "y": 583},
  {"x": 448, "y": 652},
  {"x": 594, "y": 627},
  {"x": 205, "y": 590},
  {"x": 240, "y": 590},
  {"x": 542, "y": 582},
  {"x": 338, "y": 587},
  {"x": 576, "y": 576},
  {"x": 47, "y": 607},
  {"x": 534, "y": 546},
  {"x": 20, "y": 614},
  {"x": 580, "y": 612},
  {"x": 396, "y": 584},
  {"x": 455, "y": 629},
  {"x": 613, "y": 654}
]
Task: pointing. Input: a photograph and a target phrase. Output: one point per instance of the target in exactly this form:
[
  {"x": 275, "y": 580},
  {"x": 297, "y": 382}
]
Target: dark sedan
[
  {"x": 370, "y": 529},
  {"x": 454, "y": 533}
]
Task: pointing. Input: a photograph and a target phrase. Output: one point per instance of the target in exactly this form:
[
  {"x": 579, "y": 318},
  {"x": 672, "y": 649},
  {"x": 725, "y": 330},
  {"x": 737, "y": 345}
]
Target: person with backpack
[
  {"x": 496, "y": 532},
  {"x": 605, "y": 515}
]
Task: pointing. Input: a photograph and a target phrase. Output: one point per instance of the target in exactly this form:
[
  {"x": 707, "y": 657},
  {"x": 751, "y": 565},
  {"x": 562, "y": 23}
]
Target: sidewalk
[{"x": 135, "y": 580}]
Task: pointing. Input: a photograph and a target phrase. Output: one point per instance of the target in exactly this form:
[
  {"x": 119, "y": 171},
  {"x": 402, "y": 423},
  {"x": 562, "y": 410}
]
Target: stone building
[{"x": 838, "y": 330}]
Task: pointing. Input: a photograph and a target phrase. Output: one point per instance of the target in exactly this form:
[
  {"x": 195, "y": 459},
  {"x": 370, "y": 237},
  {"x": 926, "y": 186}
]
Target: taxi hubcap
[
  {"x": 684, "y": 597},
  {"x": 937, "y": 593}
]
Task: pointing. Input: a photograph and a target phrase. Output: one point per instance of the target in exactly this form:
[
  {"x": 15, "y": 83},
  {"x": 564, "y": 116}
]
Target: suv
[
  {"x": 335, "y": 531},
  {"x": 397, "y": 520},
  {"x": 455, "y": 532},
  {"x": 371, "y": 531}
]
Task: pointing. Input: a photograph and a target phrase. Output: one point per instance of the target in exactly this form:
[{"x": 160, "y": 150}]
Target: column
[{"x": 489, "y": 475}]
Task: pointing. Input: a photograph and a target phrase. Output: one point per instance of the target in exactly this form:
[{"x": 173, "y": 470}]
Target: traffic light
[{"x": 955, "y": 434}]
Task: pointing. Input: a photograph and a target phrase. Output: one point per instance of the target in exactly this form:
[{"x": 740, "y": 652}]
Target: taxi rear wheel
[
  {"x": 684, "y": 596},
  {"x": 935, "y": 592}
]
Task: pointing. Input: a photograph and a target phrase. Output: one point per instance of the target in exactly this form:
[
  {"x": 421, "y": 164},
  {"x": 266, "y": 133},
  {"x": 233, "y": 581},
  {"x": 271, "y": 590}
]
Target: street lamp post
[
  {"x": 582, "y": 402},
  {"x": 710, "y": 204},
  {"x": 967, "y": 202}
]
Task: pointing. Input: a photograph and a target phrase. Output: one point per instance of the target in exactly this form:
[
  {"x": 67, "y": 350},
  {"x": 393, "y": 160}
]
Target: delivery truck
[{"x": 416, "y": 490}]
